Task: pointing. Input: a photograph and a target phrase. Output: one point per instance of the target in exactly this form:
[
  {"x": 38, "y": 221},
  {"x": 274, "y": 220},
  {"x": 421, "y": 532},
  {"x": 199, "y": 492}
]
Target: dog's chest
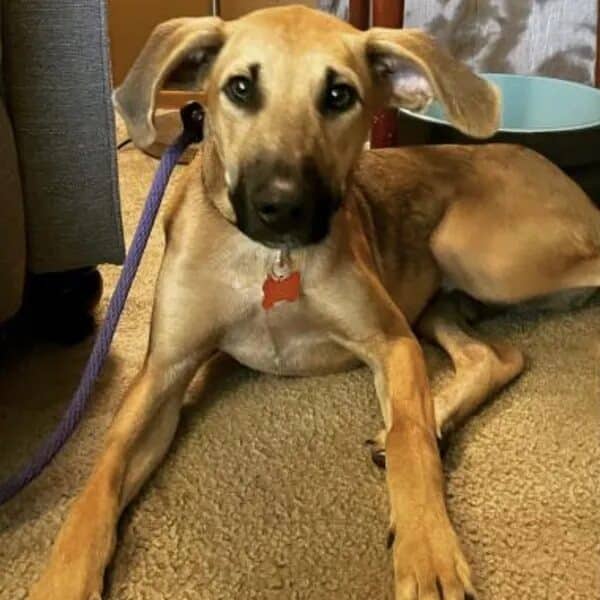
[{"x": 285, "y": 339}]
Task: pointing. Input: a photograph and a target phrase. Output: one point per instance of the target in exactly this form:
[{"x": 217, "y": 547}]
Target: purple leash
[{"x": 192, "y": 116}]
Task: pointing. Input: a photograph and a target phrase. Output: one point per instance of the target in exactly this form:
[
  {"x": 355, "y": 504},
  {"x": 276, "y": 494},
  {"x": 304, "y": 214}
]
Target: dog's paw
[
  {"x": 45, "y": 589},
  {"x": 430, "y": 565},
  {"x": 64, "y": 586}
]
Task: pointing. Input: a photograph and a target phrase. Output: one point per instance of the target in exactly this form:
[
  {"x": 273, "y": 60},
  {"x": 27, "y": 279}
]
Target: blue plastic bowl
[
  {"x": 560, "y": 119},
  {"x": 538, "y": 104}
]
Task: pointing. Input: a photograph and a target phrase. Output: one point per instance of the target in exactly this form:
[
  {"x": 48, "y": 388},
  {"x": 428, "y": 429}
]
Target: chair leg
[
  {"x": 359, "y": 13},
  {"x": 59, "y": 307}
]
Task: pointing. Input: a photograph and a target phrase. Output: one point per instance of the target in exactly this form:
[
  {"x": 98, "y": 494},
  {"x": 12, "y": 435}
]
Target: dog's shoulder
[
  {"x": 412, "y": 174},
  {"x": 403, "y": 193}
]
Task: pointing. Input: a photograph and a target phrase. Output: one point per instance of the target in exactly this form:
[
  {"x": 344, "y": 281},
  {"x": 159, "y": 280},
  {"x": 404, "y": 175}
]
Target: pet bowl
[{"x": 559, "y": 119}]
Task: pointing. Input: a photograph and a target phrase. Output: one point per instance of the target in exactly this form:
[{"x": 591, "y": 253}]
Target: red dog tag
[{"x": 281, "y": 289}]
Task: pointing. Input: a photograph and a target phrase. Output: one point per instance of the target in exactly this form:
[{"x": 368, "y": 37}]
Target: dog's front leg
[
  {"x": 428, "y": 560},
  {"x": 136, "y": 442}
]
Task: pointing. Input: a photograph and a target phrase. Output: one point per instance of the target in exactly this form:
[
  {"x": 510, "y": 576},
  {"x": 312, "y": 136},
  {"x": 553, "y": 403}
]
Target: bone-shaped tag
[{"x": 281, "y": 289}]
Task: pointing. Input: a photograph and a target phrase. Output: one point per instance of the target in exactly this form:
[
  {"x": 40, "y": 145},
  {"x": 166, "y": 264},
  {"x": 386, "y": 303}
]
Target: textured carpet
[{"x": 268, "y": 491}]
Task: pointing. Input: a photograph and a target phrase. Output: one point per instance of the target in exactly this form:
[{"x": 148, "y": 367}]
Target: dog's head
[{"x": 290, "y": 94}]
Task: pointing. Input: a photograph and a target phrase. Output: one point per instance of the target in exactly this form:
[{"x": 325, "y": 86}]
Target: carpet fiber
[{"x": 268, "y": 492}]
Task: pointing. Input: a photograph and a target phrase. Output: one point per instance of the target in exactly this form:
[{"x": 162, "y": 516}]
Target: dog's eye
[
  {"x": 339, "y": 98},
  {"x": 240, "y": 90}
]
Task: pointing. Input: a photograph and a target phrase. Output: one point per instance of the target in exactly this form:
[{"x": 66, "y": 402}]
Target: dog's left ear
[
  {"x": 178, "y": 53},
  {"x": 411, "y": 70}
]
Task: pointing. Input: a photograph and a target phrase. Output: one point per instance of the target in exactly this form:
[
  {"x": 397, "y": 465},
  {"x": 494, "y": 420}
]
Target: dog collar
[{"x": 282, "y": 284}]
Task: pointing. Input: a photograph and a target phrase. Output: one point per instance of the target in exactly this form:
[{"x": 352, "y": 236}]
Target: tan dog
[{"x": 290, "y": 96}]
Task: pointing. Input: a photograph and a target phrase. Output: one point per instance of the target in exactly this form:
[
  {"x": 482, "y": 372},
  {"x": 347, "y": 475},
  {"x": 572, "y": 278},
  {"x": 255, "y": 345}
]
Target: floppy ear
[
  {"x": 413, "y": 71},
  {"x": 178, "y": 51}
]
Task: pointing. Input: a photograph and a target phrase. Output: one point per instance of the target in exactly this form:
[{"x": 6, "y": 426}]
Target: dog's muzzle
[{"x": 283, "y": 205}]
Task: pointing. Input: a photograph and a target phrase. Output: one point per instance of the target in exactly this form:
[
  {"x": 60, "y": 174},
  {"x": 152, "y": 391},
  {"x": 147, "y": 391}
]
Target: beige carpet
[{"x": 268, "y": 492}]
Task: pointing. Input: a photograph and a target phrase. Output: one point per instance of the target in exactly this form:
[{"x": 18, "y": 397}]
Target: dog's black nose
[
  {"x": 283, "y": 204},
  {"x": 280, "y": 206}
]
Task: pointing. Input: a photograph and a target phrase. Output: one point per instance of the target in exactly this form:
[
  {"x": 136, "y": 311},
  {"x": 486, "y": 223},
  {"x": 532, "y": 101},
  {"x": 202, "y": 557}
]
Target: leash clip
[{"x": 192, "y": 117}]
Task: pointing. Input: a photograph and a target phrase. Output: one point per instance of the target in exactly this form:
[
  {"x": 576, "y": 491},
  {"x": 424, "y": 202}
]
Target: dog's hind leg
[
  {"x": 530, "y": 232},
  {"x": 585, "y": 274},
  {"x": 481, "y": 367}
]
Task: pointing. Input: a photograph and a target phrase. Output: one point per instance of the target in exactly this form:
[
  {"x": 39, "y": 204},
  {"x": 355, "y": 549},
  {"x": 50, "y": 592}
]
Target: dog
[{"x": 293, "y": 250}]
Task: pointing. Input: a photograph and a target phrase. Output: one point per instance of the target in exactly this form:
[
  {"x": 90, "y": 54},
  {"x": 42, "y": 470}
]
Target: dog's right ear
[
  {"x": 179, "y": 53},
  {"x": 411, "y": 70}
]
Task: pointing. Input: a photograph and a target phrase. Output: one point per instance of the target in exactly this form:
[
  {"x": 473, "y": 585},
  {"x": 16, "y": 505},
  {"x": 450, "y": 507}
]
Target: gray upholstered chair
[{"x": 57, "y": 146}]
